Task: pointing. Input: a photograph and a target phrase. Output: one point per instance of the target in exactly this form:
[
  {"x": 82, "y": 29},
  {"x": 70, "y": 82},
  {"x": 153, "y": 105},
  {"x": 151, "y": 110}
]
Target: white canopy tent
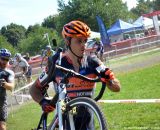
[
  {"x": 95, "y": 35},
  {"x": 145, "y": 22}
]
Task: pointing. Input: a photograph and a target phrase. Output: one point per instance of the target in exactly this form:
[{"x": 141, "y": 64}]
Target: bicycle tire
[
  {"x": 21, "y": 82},
  {"x": 18, "y": 97},
  {"x": 91, "y": 105}
]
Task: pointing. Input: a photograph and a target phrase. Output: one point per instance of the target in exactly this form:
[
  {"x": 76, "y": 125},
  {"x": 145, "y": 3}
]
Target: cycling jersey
[
  {"x": 8, "y": 75},
  {"x": 48, "y": 53},
  {"x": 77, "y": 87},
  {"x": 24, "y": 65},
  {"x": 100, "y": 48}
]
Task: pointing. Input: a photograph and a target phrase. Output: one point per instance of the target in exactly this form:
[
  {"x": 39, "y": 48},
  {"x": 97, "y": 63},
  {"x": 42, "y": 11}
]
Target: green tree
[
  {"x": 14, "y": 33},
  {"x": 156, "y": 4},
  {"x": 143, "y": 7},
  {"x": 33, "y": 29},
  {"x": 49, "y": 22},
  {"x": 35, "y": 40},
  {"x": 5, "y": 44},
  {"x": 86, "y": 10}
]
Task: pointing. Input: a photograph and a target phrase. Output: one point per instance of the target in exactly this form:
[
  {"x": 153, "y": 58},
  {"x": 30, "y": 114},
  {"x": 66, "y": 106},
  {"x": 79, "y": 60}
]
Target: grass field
[{"x": 139, "y": 84}]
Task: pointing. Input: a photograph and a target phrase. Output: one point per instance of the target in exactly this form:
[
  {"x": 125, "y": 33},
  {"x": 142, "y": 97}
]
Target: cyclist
[
  {"x": 100, "y": 49},
  {"x": 75, "y": 35},
  {"x": 47, "y": 53},
  {"x": 24, "y": 66},
  {"x": 95, "y": 47},
  {"x": 6, "y": 83}
]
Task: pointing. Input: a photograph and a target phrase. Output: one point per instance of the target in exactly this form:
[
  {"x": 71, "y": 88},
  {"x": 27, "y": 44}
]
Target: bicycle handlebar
[{"x": 75, "y": 74}]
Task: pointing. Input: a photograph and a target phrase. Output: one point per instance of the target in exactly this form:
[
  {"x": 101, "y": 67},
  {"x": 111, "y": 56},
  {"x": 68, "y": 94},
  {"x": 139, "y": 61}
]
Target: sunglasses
[{"x": 4, "y": 59}]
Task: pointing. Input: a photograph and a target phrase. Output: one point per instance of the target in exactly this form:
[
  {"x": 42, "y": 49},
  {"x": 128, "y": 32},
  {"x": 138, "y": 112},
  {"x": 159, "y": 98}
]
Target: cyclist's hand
[
  {"x": 2, "y": 82},
  {"x": 107, "y": 75},
  {"x": 46, "y": 106}
]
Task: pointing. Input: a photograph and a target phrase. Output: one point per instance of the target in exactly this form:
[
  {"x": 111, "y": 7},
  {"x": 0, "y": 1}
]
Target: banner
[{"x": 103, "y": 31}]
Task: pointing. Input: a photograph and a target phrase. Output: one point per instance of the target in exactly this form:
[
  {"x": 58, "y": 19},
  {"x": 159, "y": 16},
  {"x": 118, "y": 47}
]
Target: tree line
[{"x": 19, "y": 39}]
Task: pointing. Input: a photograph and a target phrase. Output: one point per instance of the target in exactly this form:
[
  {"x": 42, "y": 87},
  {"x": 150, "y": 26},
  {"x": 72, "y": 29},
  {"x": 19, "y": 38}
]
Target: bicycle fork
[{"x": 60, "y": 104}]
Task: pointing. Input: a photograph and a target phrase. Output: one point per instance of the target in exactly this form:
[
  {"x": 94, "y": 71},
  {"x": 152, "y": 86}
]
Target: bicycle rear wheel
[
  {"x": 19, "y": 95},
  {"x": 86, "y": 115}
]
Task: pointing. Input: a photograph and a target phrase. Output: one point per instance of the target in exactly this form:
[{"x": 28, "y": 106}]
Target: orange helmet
[{"x": 75, "y": 29}]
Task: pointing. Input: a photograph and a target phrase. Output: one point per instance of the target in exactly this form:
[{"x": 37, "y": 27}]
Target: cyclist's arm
[
  {"x": 36, "y": 90},
  {"x": 36, "y": 93},
  {"x": 114, "y": 84},
  {"x": 9, "y": 85}
]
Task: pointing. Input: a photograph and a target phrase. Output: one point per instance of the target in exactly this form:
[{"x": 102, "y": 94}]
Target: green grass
[{"x": 140, "y": 84}]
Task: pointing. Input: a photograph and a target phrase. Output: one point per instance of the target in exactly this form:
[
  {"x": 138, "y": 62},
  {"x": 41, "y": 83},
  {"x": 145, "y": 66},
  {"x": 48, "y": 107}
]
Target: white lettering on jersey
[
  {"x": 101, "y": 68},
  {"x": 43, "y": 76}
]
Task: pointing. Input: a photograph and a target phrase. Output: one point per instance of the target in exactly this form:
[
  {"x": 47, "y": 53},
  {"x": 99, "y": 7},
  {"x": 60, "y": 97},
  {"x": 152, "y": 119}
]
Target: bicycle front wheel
[{"x": 83, "y": 114}]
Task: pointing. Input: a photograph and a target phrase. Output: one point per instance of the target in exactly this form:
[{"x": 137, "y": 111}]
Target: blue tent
[{"x": 120, "y": 27}]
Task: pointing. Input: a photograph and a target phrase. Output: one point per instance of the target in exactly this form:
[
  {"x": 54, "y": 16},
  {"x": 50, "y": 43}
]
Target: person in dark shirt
[{"x": 6, "y": 83}]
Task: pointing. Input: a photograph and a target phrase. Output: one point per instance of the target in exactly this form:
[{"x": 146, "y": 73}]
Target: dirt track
[
  {"x": 129, "y": 65},
  {"x": 138, "y": 65}
]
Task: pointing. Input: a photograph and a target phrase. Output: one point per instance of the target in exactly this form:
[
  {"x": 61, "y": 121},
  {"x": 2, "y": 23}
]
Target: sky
[{"x": 30, "y": 12}]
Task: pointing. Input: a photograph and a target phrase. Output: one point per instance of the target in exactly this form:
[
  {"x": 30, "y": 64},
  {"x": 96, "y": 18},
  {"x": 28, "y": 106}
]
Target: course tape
[
  {"x": 22, "y": 95},
  {"x": 130, "y": 101},
  {"x": 26, "y": 86}
]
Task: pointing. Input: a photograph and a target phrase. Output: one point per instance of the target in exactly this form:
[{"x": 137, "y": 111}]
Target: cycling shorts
[
  {"x": 3, "y": 110},
  {"x": 29, "y": 72}
]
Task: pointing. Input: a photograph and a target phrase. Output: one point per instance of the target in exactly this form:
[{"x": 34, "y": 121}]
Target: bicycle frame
[
  {"x": 62, "y": 100},
  {"x": 58, "y": 115}
]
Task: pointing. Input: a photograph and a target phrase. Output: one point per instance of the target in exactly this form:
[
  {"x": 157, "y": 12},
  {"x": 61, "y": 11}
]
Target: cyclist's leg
[
  {"x": 2, "y": 125},
  {"x": 84, "y": 116},
  {"x": 3, "y": 114},
  {"x": 29, "y": 75}
]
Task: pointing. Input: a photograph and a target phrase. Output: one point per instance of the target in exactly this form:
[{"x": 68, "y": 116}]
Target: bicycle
[
  {"x": 19, "y": 83},
  {"x": 67, "y": 110}
]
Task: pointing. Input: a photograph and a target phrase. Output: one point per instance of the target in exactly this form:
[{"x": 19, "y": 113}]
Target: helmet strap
[{"x": 79, "y": 58}]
